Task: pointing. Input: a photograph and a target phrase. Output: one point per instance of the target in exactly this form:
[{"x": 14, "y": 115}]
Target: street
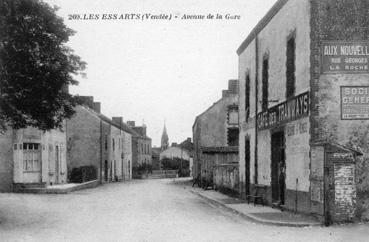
[{"x": 143, "y": 210}]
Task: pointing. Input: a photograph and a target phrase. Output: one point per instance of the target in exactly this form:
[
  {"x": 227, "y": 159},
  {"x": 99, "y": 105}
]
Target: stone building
[
  {"x": 32, "y": 158},
  {"x": 141, "y": 145},
  {"x": 215, "y": 137},
  {"x": 95, "y": 140},
  {"x": 303, "y": 74}
]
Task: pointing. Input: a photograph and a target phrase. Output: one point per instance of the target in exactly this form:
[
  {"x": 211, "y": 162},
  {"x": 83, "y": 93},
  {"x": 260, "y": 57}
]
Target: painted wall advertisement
[
  {"x": 290, "y": 110},
  {"x": 345, "y": 57},
  {"x": 354, "y": 102}
]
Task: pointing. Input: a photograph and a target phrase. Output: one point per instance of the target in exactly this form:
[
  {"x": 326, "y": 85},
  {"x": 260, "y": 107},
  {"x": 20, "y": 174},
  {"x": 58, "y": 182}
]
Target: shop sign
[
  {"x": 354, "y": 102},
  {"x": 345, "y": 57},
  {"x": 289, "y": 110}
]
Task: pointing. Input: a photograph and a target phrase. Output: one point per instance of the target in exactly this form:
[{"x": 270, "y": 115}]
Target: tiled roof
[{"x": 123, "y": 127}]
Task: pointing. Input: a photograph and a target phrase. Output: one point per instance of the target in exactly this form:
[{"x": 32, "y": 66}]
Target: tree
[{"x": 36, "y": 67}]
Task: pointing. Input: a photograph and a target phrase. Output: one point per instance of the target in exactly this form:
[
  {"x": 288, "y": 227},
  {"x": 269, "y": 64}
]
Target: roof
[
  {"x": 337, "y": 147},
  {"x": 261, "y": 25},
  {"x": 123, "y": 127},
  {"x": 220, "y": 149},
  {"x": 231, "y": 164}
]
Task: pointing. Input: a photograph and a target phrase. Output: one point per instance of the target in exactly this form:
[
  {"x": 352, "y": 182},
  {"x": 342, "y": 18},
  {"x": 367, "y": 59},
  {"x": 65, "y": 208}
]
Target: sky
[{"x": 156, "y": 70}]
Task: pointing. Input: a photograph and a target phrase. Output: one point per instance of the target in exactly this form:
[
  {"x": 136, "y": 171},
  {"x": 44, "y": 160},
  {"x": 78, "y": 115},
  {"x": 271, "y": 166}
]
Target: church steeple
[{"x": 164, "y": 139}]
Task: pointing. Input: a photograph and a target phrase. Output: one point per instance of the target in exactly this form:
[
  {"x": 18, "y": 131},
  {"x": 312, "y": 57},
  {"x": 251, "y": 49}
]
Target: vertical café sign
[{"x": 345, "y": 57}]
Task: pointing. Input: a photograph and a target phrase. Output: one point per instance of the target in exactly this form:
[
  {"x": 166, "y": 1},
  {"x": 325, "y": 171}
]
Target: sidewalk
[
  {"x": 258, "y": 213},
  {"x": 60, "y": 188}
]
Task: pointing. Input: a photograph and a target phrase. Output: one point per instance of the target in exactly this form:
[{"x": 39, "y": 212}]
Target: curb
[
  {"x": 81, "y": 186},
  {"x": 255, "y": 218}
]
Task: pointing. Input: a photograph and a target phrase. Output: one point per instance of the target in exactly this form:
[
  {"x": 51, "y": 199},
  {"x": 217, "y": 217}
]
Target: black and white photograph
[{"x": 184, "y": 120}]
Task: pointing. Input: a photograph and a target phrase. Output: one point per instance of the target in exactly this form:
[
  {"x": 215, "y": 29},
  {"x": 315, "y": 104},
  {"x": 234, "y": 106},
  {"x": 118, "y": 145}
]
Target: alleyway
[{"x": 144, "y": 210}]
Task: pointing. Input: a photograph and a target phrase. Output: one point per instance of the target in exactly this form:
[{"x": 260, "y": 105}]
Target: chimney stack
[
  {"x": 225, "y": 93},
  {"x": 233, "y": 86},
  {"x": 118, "y": 120},
  {"x": 131, "y": 123},
  {"x": 97, "y": 107},
  {"x": 87, "y": 100}
]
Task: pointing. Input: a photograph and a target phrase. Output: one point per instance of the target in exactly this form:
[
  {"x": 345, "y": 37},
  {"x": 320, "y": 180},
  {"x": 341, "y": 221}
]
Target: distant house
[
  {"x": 141, "y": 145},
  {"x": 175, "y": 151},
  {"x": 95, "y": 140},
  {"x": 32, "y": 158},
  {"x": 215, "y": 139}
]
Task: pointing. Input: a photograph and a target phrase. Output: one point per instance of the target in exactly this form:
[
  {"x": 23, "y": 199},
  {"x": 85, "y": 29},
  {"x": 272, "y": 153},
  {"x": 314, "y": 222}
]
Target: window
[
  {"x": 31, "y": 157},
  {"x": 247, "y": 96},
  {"x": 232, "y": 136},
  {"x": 106, "y": 142},
  {"x": 290, "y": 68},
  {"x": 232, "y": 115},
  {"x": 265, "y": 84},
  {"x": 113, "y": 141}
]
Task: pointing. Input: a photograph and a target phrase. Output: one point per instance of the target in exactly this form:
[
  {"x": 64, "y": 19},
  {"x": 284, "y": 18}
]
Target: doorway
[
  {"x": 106, "y": 170},
  {"x": 247, "y": 166},
  {"x": 57, "y": 161},
  {"x": 278, "y": 159}
]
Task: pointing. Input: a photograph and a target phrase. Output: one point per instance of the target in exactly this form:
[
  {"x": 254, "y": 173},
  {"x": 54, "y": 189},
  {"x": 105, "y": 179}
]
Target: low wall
[
  {"x": 226, "y": 178},
  {"x": 157, "y": 174}
]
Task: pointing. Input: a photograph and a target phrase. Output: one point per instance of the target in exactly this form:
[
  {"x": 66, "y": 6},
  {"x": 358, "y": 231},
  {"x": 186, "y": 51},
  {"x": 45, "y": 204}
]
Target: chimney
[
  {"x": 144, "y": 130},
  {"x": 87, "y": 100},
  {"x": 140, "y": 129},
  {"x": 96, "y": 107},
  {"x": 233, "y": 86},
  {"x": 225, "y": 93},
  {"x": 118, "y": 120},
  {"x": 131, "y": 123}
]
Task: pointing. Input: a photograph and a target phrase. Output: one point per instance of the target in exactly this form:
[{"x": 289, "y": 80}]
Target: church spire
[{"x": 164, "y": 139}]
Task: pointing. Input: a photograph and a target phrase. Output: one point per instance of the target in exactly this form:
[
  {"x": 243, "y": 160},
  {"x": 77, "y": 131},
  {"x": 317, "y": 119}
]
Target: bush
[
  {"x": 183, "y": 166},
  {"x": 141, "y": 169},
  {"x": 83, "y": 174}
]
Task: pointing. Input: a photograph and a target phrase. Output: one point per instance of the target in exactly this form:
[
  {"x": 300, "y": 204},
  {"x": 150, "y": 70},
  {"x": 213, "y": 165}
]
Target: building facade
[
  {"x": 95, "y": 140},
  {"x": 296, "y": 68},
  {"x": 215, "y": 135},
  {"x": 141, "y": 145},
  {"x": 32, "y": 158}
]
